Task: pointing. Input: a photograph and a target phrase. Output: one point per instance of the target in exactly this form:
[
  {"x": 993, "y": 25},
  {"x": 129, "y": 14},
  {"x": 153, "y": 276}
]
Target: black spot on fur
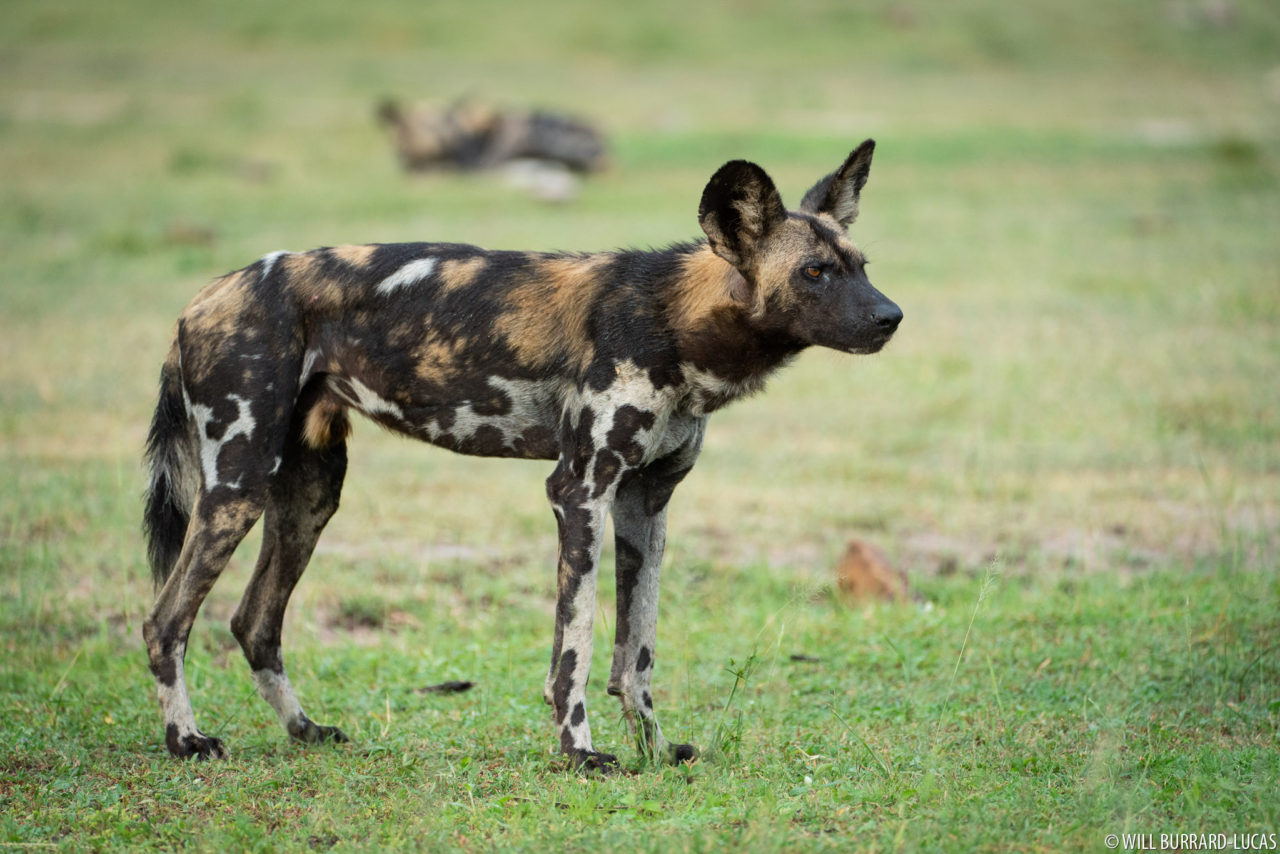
[
  {"x": 579, "y": 714},
  {"x": 629, "y": 561},
  {"x": 563, "y": 684},
  {"x": 172, "y": 740},
  {"x": 628, "y": 420},
  {"x": 488, "y": 440},
  {"x": 569, "y": 495},
  {"x": 648, "y": 700},
  {"x": 661, "y": 486},
  {"x": 495, "y": 403},
  {"x": 214, "y": 429},
  {"x": 536, "y": 442},
  {"x": 580, "y": 442},
  {"x": 608, "y": 464},
  {"x": 444, "y": 416},
  {"x": 644, "y": 660},
  {"x": 600, "y": 374},
  {"x": 657, "y": 481},
  {"x": 262, "y": 651},
  {"x": 167, "y": 671}
]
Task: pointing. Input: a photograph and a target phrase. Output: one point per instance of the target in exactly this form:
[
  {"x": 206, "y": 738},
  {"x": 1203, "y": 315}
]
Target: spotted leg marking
[
  {"x": 303, "y": 496},
  {"x": 217, "y": 526},
  {"x": 580, "y": 490},
  {"x": 581, "y": 523},
  {"x": 640, "y": 523}
]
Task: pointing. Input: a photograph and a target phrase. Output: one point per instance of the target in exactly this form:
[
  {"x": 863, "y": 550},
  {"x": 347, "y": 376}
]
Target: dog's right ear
[{"x": 740, "y": 205}]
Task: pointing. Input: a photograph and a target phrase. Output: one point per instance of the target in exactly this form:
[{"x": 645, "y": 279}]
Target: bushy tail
[{"x": 173, "y": 477}]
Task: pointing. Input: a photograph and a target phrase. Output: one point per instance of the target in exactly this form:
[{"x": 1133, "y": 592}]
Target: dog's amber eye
[{"x": 813, "y": 272}]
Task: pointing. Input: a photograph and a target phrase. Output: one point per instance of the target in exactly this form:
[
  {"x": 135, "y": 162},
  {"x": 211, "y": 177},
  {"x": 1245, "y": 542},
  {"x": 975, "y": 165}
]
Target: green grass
[{"x": 1072, "y": 445}]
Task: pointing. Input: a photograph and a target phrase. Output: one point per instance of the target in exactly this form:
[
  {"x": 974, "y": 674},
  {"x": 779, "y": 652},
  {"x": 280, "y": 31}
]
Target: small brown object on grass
[{"x": 864, "y": 573}]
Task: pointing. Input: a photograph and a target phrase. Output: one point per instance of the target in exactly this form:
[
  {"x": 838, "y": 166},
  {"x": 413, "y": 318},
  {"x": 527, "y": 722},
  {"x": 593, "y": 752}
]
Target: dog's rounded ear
[
  {"x": 739, "y": 207},
  {"x": 837, "y": 194}
]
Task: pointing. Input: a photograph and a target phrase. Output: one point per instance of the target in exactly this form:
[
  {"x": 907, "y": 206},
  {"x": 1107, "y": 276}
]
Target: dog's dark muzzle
[
  {"x": 886, "y": 318},
  {"x": 877, "y": 327}
]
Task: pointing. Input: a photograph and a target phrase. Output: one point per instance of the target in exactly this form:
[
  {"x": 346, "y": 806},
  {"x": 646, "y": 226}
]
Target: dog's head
[{"x": 800, "y": 273}]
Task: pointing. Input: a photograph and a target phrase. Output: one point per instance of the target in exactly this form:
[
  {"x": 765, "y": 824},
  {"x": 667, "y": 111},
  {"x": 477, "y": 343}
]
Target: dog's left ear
[
  {"x": 740, "y": 205},
  {"x": 837, "y": 194}
]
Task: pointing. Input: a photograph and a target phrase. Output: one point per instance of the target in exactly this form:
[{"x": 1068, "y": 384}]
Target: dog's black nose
[{"x": 887, "y": 317}]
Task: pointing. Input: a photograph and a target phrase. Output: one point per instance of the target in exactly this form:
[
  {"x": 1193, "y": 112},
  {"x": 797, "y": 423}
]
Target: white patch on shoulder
[
  {"x": 409, "y": 274},
  {"x": 269, "y": 262},
  {"x": 211, "y": 448}
]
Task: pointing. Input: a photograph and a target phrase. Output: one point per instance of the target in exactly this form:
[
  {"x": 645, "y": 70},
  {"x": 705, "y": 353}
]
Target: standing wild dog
[{"x": 608, "y": 363}]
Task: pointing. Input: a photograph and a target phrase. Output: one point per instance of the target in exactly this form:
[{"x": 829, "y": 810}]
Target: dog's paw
[
  {"x": 680, "y": 754},
  {"x": 592, "y": 762},
  {"x": 310, "y": 732},
  {"x": 193, "y": 744}
]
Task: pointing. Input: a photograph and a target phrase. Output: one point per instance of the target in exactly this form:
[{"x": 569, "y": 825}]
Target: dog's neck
[{"x": 710, "y": 310}]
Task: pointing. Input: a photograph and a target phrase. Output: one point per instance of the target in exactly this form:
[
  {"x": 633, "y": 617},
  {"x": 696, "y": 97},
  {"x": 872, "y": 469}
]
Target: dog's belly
[{"x": 501, "y": 418}]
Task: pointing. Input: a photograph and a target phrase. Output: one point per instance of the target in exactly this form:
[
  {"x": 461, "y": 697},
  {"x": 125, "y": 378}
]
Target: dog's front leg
[
  {"x": 640, "y": 525},
  {"x": 580, "y": 514}
]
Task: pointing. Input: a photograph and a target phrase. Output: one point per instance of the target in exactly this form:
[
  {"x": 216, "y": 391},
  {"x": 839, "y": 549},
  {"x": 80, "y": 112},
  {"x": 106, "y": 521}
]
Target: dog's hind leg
[
  {"x": 303, "y": 496},
  {"x": 237, "y": 407},
  {"x": 640, "y": 523},
  {"x": 219, "y": 522}
]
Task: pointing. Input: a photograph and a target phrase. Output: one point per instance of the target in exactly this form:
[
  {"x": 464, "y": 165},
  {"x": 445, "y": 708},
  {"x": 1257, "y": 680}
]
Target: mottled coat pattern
[{"x": 606, "y": 363}]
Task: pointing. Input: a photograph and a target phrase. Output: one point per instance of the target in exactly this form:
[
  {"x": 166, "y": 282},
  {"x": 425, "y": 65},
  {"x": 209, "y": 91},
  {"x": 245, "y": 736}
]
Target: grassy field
[{"x": 1072, "y": 446}]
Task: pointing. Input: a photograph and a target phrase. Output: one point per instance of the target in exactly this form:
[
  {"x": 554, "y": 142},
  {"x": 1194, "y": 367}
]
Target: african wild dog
[
  {"x": 608, "y": 363},
  {"x": 468, "y": 135}
]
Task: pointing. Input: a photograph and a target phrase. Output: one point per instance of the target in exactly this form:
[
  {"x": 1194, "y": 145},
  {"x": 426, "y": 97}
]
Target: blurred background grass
[{"x": 1076, "y": 206}]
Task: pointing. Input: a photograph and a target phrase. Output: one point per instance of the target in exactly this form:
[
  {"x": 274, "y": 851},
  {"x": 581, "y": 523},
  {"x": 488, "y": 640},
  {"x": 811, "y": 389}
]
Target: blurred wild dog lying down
[
  {"x": 608, "y": 363},
  {"x": 467, "y": 135}
]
